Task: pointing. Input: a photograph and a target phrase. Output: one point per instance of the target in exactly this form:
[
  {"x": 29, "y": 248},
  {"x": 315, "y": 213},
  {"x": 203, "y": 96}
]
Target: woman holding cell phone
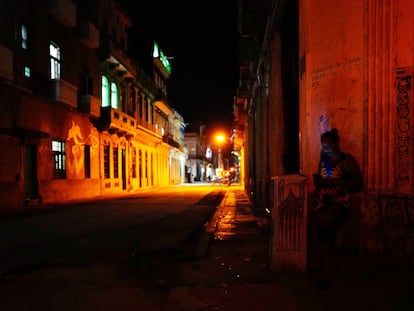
[{"x": 338, "y": 176}]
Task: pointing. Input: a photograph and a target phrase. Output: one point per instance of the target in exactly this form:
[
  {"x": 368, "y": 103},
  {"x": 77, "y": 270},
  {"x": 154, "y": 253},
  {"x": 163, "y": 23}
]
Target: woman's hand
[
  {"x": 324, "y": 173},
  {"x": 336, "y": 173}
]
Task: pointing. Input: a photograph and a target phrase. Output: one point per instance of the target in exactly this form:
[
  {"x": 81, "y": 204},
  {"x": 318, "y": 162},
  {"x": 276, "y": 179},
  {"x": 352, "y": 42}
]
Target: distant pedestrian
[{"x": 339, "y": 176}]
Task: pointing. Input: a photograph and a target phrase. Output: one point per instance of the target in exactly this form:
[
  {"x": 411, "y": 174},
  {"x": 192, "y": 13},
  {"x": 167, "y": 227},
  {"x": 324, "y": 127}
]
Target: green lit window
[
  {"x": 109, "y": 93},
  {"x": 114, "y": 95},
  {"x": 105, "y": 92}
]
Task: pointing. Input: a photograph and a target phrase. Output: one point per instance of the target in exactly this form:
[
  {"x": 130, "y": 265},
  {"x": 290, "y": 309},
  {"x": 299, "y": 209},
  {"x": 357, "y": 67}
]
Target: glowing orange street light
[{"x": 220, "y": 139}]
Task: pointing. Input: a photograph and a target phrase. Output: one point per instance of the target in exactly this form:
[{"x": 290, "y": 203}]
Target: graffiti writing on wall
[
  {"x": 320, "y": 73},
  {"x": 403, "y": 87}
]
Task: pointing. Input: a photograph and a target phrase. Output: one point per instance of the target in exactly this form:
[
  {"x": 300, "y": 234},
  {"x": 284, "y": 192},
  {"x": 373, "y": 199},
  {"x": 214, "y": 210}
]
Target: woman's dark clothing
[
  {"x": 332, "y": 201},
  {"x": 327, "y": 194}
]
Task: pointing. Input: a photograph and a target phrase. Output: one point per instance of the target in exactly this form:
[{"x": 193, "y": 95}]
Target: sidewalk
[{"x": 234, "y": 273}]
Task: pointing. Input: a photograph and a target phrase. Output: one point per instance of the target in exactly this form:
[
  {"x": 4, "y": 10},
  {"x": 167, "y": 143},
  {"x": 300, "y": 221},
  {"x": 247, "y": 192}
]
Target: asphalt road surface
[{"x": 98, "y": 254}]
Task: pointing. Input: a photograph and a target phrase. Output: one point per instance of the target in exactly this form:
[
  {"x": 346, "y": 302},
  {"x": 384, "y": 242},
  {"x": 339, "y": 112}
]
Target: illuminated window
[
  {"x": 59, "y": 159},
  {"x": 23, "y": 34},
  {"x": 54, "y": 53},
  {"x": 109, "y": 93},
  {"x": 105, "y": 92},
  {"x": 114, "y": 95},
  {"x": 27, "y": 72}
]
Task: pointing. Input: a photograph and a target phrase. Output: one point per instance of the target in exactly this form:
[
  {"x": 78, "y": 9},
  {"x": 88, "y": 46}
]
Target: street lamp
[{"x": 220, "y": 139}]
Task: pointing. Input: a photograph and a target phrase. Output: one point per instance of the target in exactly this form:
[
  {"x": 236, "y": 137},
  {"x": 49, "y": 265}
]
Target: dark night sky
[{"x": 202, "y": 39}]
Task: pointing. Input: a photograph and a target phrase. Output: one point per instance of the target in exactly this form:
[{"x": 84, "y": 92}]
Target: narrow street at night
[
  {"x": 181, "y": 248},
  {"x": 54, "y": 252}
]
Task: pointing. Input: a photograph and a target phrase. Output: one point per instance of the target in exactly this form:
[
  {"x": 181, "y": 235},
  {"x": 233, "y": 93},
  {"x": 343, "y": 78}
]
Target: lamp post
[{"x": 220, "y": 139}]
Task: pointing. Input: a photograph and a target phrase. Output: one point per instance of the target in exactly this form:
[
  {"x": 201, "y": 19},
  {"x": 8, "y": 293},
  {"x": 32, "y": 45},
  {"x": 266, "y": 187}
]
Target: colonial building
[
  {"x": 78, "y": 116},
  {"x": 307, "y": 66}
]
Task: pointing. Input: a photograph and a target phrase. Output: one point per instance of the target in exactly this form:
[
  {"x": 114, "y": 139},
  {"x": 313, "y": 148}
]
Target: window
[
  {"x": 141, "y": 106},
  {"x": 131, "y": 99},
  {"x": 23, "y": 34},
  {"x": 152, "y": 170},
  {"x": 151, "y": 113},
  {"x": 140, "y": 167},
  {"x": 106, "y": 161},
  {"x": 109, "y": 93},
  {"x": 115, "y": 155},
  {"x": 134, "y": 163},
  {"x": 114, "y": 95},
  {"x": 59, "y": 159},
  {"x": 146, "y": 164},
  {"x": 27, "y": 72},
  {"x": 54, "y": 53},
  {"x": 105, "y": 92},
  {"x": 87, "y": 156}
]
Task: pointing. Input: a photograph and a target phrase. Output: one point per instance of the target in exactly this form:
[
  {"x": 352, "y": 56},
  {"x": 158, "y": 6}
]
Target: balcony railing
[
  {"x": 144, "y": 124},
  {"x": 122, "y": 122}
]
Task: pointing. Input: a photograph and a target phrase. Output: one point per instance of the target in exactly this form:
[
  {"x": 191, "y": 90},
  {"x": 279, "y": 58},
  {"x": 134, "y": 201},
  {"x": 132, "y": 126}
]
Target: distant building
[
  {"x": 199, "y": 163},
  {"x": 78, "y": 117}
]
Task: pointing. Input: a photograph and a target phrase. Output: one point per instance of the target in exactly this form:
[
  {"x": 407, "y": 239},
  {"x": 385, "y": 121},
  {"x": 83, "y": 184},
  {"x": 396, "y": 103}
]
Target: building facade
[
  {"x": 307, "y": 66},
  {"x": 78, "y": 117},
  {"x": 199, "y": 164}
]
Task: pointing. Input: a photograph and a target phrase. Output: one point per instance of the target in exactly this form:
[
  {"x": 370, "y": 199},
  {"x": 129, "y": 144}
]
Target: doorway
[
  {"x": 123, "y": 163},
  {"x": 30, "y": 180}
]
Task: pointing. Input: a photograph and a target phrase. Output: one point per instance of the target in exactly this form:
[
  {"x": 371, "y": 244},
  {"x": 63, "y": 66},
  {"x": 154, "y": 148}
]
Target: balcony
[
  {"x": 6, "y": 63},
  {"x": 63, "y": 11},
  {"x": 146, "y": 126},
  {"x": 115, "y": 121},
  {"x": 64, "y": 92},
  {"x": 91, "y": 105},
  {"x": 89, "y": 34},
  {"x": 169, "y": 139}
]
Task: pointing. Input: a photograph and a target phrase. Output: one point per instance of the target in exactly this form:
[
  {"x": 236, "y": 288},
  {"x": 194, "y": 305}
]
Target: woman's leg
[{"x": 328, "y": 220}]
